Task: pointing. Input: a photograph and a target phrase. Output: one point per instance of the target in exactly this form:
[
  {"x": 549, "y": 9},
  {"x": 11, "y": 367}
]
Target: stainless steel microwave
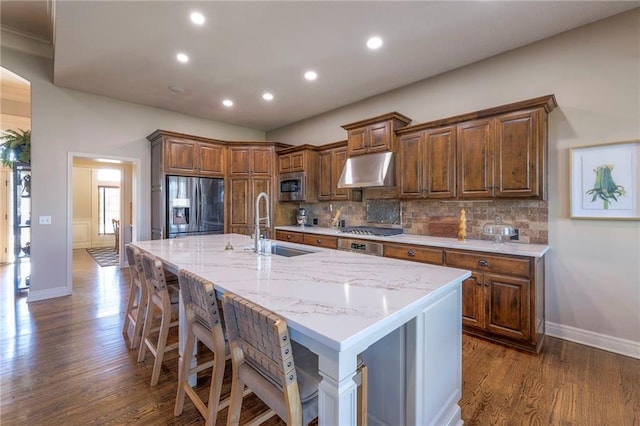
[{"x": 292, "y": 186}]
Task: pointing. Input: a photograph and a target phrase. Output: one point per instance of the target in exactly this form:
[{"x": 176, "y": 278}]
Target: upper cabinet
[
  {"x": 332, "y": 160},
  {"x": 495, "y": 153},
  {"x": 251, "y": 160},
  {"x": 427, "y": 163},
  {"x": 193, "y": 158},
  {"x": 300, "y": 158},
  {"x": 375, "y": 134}
]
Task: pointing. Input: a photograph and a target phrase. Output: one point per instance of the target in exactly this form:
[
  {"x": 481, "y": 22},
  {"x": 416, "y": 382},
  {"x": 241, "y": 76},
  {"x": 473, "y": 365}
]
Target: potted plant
[{"x": 16, "y": 146}]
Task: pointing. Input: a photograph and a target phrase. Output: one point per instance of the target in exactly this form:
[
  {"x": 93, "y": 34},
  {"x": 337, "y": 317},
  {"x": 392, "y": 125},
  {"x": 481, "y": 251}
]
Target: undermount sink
[{"x": 288, "y": 251}]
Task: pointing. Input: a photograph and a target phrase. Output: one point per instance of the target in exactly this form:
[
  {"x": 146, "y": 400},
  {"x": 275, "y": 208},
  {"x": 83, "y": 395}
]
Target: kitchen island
[{"x": 402, "y": 318}]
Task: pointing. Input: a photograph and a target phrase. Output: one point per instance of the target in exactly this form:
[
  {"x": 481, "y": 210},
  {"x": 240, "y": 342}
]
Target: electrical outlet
[
  {"x": 315, "y": 220},
  {"x": 517, "y": 236},
  {"x": 45, "y": 220}
]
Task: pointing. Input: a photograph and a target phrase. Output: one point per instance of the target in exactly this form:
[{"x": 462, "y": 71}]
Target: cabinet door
[
  {"x": 325, "y": 183},
  {"x": 180, "y": 156},
  {"x": 378, "y": 138},
  {"x": 412, "y": 163},
  {"x": 358, "y": 141},
  {"x": 239, "y": 161},
  {"x": 212, "y": 161},
  {"x": 284, "y": 163},
  {"x": 297, "y": 161},
  {"x": 261, "y": 163},
  {"x": 508, "y": 306},
  {"x": 339, "y": 160},
  {"x": 473, "y": 305},
  {"x": 475, "y": 162},
  {"x": 519, "y": 157},
  {"x": 440, "y": 168},
  {"x": 240, "y": 214}
]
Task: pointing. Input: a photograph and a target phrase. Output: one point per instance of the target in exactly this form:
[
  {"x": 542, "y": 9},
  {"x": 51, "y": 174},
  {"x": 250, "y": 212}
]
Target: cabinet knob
[
  {"x": 411, "y": 253},
  {"x": 483, "y": 263},
  {"x": 319, "y": 241},
  {"x": 288, "y": 237}
]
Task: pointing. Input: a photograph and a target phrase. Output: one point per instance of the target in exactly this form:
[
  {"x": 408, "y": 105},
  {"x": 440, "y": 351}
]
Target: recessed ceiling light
[
  {"x": 182, "y": 57},
  {"x": 227, "y": 103},
  {"x": 176, "y": 89},
  {"x": 197, "y": 18},
  {"x": 310, "y": 75},
  {"x": 267, "y": 96},
  {"x": 374, "y": 43}
]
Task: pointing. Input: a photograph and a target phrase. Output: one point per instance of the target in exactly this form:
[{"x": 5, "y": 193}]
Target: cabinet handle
[
  {"x": 411, "y": 253},
  {"x": 483, "y": 263}
]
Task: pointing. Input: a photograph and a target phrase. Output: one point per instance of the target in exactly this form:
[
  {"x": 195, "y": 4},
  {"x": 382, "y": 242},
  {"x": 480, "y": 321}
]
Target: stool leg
[
  {"x": 217, "y": 375},
  {"x": 183, "y": 368},
  {"x": 162, "y": 343},
  {"x": 146, "y": 330},
  {"x": 235, "y": 404},
  {"x": 137, "y": 328},
  {"x": 130, "y": 306}
]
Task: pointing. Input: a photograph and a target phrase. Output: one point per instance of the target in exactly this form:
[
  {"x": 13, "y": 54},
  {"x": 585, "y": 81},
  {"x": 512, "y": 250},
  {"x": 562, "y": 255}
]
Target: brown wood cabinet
[
  {"x": 499, "y": 152},
  {"x": 292, "y": 237},
  {"x": 320, "y": 241},
  {"x": 427, "y": 163},
  {"x": 192, "y": 158},
  {"x": 308, "y": 239},
  {"x": 375, "y": 134},
  {"x": 503, "y": 300},
  {"x": 251, "y": 161},
  {"x": 332, "y": 160},
  {"x": 250, "y": 171},
  {"x": 432, "y": 255},
  {"x": 242, "y": 196}
]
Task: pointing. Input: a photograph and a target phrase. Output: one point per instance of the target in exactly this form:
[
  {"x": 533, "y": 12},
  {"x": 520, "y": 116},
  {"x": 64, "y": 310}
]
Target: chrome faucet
[{"x": 258, "y": 218}]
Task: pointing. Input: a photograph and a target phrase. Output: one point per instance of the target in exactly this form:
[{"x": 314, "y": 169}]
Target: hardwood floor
[{"x": 65, "y": 362}]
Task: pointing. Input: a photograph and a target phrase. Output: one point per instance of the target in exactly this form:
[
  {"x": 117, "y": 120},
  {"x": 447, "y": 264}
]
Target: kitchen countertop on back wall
[{"x": 512, "y": 248}]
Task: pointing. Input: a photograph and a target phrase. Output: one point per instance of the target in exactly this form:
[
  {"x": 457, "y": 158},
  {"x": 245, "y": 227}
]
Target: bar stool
[
  {"x": 262, "y": 356},
  {"x": 163, "y": 305},
  {"x": 138, "y": 297},
  {"x": 203, "y": 323}
]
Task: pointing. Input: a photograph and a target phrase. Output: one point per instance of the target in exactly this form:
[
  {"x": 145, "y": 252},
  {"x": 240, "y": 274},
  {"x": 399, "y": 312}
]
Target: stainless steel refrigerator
[{"x": 195, "y": 206}]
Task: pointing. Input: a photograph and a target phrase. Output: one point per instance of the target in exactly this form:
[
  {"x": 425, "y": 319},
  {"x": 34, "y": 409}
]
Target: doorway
[{"x": 102, "y": 190}]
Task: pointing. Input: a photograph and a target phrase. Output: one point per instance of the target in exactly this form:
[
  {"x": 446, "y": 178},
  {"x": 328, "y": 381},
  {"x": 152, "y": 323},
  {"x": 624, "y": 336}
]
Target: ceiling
[{"x": 127, "y": 50}]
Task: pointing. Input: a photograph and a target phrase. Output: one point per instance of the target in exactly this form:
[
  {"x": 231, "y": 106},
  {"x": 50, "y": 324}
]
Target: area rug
[{"x": 104, "y": 256}]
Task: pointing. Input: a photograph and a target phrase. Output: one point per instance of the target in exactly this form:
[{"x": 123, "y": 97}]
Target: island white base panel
[{"x": 415, "y": 372}]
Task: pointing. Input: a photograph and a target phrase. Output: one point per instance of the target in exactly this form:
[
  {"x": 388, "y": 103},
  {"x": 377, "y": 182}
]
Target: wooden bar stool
[
  {"x": 162, "y": 305},
  {"x": 203, "y": 323},
  {"x": 262, "y": 356},
  {"x": 138, "y": 297}
]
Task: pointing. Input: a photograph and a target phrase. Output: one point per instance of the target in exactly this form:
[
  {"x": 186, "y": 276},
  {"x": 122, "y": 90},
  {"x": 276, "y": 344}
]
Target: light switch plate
[{"x": 45, "y": 220}]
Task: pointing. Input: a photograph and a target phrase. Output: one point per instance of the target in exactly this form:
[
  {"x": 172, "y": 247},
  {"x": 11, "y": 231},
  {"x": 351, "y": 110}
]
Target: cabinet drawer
[
  {"x": 292, "y": 237},
  {"x": 415, "y": 253},
  {"x": 520, "y": 267},
  {"x": 320, "y": 241}
]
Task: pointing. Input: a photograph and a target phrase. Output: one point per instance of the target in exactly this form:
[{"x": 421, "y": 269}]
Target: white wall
[
  {"x": 66, "y": 121},
  {"x": 593, "y": 268}
]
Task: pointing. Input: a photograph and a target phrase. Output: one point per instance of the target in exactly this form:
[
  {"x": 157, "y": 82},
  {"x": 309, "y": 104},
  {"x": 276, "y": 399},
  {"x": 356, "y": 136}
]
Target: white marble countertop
[
  {"x": 518, "y": 249},
  {"x": 337, "y": 297}
]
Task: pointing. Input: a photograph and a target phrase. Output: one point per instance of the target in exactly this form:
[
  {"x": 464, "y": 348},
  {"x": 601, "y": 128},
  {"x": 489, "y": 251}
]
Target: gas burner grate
[{"x": 371, "y": 230}]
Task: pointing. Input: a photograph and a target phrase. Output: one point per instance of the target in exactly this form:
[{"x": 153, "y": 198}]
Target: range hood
[{"x": 364, "y": 171}]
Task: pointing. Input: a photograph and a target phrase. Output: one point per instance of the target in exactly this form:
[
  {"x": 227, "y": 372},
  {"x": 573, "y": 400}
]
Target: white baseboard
[
  {"x": 50, "y": 293},
  {"x": 597, "y": 340}
]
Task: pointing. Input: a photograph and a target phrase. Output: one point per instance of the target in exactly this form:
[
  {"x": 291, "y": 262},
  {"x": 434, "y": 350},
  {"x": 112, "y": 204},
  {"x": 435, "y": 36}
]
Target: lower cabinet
[
  {"x": 292, "y": 237},
  {"x": 503, "y": 300}
]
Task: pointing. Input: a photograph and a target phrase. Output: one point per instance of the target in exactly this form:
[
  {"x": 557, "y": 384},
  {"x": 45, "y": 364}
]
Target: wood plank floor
[{"x": 65, "y": 362}]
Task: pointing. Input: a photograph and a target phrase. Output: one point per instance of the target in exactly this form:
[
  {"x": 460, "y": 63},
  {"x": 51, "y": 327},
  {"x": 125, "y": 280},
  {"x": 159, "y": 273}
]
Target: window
[{"x": 108, "y": 208}]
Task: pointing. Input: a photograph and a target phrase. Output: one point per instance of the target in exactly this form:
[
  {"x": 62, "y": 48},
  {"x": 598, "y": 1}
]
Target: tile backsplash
[{"x": 529, "y": 216}]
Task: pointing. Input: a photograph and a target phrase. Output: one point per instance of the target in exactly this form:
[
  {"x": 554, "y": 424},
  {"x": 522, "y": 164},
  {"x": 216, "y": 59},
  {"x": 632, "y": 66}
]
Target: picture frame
[{"x": 605, "y": 181}]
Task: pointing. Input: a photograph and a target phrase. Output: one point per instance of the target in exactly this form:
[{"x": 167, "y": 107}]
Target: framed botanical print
[{"x": 605, "y": 181}]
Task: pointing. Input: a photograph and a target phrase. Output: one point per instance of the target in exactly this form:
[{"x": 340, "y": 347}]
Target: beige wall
[
  {"x": 593, "y": 268},
  {"x": 67, "y": 121}
]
